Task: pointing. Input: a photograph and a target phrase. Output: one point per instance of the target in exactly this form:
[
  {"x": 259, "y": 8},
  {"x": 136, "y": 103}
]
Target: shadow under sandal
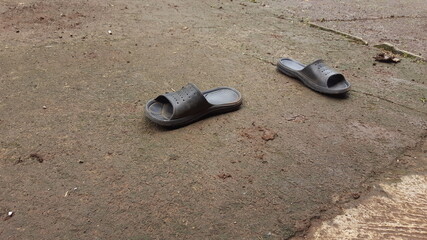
[
  {"x": 189, "y": 104},
  {"x": 316, "y": 76}
]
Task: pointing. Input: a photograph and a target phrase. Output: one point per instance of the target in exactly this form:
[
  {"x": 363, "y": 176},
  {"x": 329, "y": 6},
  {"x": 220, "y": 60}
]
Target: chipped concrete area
[
  {"x": 401, "y": 213},
  {"x": 395, "y": 209}
]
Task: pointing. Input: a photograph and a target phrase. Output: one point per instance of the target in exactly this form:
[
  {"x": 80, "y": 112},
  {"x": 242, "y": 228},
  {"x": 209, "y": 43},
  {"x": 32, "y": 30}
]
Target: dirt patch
[
  {"x": 257, "y": 137},
  {"x": 297, "y": 118},
  {"x": 386, "y": 57},
  {"x": 56, "y": 20},
  {"x": 256, "y": 133},
  {"x": 41, "y": 14},
  {"x": 36, "y": 157},
  {"x": 224, "y": 176}
]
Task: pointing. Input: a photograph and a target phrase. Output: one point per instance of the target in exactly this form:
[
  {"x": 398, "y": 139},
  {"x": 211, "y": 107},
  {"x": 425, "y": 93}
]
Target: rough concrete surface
[{"x": 79, "y": 160}]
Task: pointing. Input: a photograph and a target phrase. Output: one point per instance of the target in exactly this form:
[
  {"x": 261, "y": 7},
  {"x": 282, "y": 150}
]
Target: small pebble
[
  {"x": 10, "y": 214},
  {"x": 110, "y": 32},
  {"x": 356, "y": 195},
  {"x": 44, "y": 107}
]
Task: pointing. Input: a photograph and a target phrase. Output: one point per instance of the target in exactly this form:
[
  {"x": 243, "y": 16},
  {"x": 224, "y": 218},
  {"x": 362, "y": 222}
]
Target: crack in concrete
[
  {"x": 388, "y": 100},
  {"x": 368, "y": 18},
  {"x": 356, "y": 91},
  {"x": 262, "y": 59},
  {"x": 356, "y": 39},
  {"x": 346, "y": 35},
  {"x": 389, "y": 47}
]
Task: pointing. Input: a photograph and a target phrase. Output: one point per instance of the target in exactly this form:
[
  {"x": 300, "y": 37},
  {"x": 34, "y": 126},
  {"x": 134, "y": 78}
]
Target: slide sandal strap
[
  {"x": 186, "y": 102},
  {"x": 319, "y": 73}
]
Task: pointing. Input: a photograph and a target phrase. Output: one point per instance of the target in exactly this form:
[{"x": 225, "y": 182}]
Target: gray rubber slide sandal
[
  {"x": 189, "y": 104},
  {"x": 316, "y": 76}
]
